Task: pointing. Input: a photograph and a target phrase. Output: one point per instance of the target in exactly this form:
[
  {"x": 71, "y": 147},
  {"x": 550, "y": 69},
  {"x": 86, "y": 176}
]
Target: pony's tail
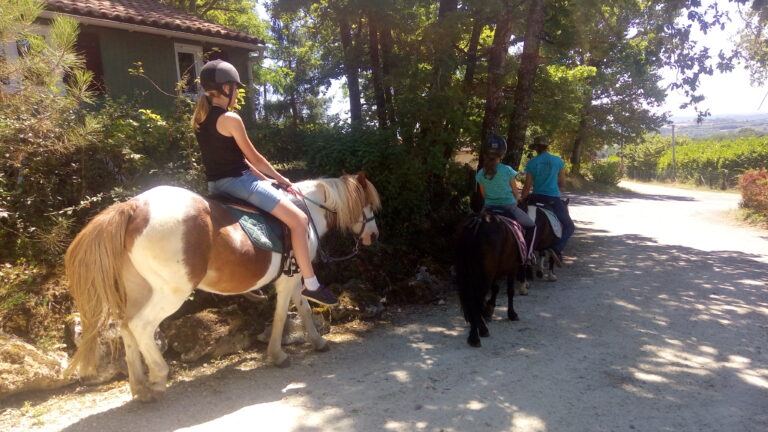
[
  {"x": 93, "y": 265},
  {"x": 470, "y": 275}
]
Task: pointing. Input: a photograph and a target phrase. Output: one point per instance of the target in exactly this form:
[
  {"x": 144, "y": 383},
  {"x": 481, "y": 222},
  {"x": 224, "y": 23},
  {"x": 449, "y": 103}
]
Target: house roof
[{"x": 149, "y": 13}]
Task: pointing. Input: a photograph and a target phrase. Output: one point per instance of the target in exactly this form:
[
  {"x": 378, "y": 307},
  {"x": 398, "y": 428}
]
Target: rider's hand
[{"x": 285, "y": 182}]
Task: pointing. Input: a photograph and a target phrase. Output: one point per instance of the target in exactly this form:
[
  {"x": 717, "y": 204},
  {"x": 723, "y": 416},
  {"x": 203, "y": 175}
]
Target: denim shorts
[{"x": 250, "y": 188}]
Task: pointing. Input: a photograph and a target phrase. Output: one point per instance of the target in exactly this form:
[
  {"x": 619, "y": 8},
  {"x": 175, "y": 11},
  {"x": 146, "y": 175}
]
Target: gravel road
[{"x": 659, "y": 322}]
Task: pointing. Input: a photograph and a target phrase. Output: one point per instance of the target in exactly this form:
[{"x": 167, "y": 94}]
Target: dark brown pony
[{"x": 486, "y": 251}]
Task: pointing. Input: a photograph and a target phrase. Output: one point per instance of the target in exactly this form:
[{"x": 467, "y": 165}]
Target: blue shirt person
[{"x": 544, "y": 175}]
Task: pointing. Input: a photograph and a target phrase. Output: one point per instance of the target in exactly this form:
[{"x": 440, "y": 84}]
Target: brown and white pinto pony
[{"x": 137, "y": 261}]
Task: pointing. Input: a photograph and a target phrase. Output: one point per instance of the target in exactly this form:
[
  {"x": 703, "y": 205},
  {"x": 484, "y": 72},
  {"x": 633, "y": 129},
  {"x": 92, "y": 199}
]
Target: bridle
[{"x": 325, "y": 256}]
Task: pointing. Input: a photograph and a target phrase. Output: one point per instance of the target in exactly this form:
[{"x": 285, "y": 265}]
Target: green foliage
[
  {"x": 390, "y": 165},
  {"x": 641, "y": 159},
  {"x": 60, "y": 176},
  {"x": 716, "y": 164},
  {"x": 62, "y": 160},
  {"x": 235, "y": 14},
  {"x": 754, "y": 191},
  {"x": 606, "y": 172}
]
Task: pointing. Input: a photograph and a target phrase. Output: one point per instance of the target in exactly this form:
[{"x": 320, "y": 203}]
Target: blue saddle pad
[{"x": 264, "y": 230}]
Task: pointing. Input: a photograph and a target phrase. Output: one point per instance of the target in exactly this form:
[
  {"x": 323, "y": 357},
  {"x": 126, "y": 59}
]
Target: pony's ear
[{"x": 361, "y": 179}]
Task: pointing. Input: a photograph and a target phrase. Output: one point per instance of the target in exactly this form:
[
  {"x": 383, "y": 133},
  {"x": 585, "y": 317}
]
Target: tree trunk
[
  {"x": 526, "y": 76},
  {"x": 264, "y": 104},
  {"x": 579, "y": 142},
  {"x": 446, "y": 7},
  {"x": 494, "y": 88},
  {"x": 376, "y": 72},
  {"x": 387, "y": 45},
  {"x": 351, "y": 71},
  {"x": 443, "y": 47},
  {"x": 294, "y": 110},
  {"x": 474, "y": 42}
]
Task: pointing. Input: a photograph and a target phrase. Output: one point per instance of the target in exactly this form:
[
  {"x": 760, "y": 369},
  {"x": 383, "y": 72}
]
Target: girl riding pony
[{"x": 234, "y": 167}]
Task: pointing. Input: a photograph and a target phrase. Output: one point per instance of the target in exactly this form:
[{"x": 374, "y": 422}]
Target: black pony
[
  {"x": 486, "y": 250},
  {"x": 543, "y": 243}
]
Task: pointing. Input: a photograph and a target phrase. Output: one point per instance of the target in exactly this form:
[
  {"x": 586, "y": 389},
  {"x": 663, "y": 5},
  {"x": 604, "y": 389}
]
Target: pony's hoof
[
  {"x": 283, "y": 364},
  {"x": 474, "y": 343},
  {"x": 484, "y": 333},
  {"x": 145, "y": 395},
  {"x": 323, "y": 347},
  {"x": 281, "y": 360},
  {"x": 551, "y": 278},
  {"x": 523, "y": 290},
  {"x": 513, "y": 317}
]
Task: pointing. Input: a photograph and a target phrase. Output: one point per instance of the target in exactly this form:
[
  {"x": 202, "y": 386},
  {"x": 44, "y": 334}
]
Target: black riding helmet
[
  {"x": 216, "y": 73},
  {"x": 495, "y": 146}
]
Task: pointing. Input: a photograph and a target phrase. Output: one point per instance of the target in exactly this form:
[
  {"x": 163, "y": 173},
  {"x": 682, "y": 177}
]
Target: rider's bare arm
[
  {"x": 527, "y": 186},
  {"x": 515, "y": 190},
  {"x": 561, "y": 179}
]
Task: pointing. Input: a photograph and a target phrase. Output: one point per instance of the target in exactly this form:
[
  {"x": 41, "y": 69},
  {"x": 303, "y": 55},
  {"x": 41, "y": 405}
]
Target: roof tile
[{"x": 149, "y": 13}]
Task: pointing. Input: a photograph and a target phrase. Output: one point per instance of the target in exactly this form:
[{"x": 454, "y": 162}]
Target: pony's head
[{"x": 354, "y": 200}]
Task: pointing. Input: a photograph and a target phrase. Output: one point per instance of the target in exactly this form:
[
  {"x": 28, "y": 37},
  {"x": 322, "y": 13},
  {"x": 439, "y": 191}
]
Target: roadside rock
[
  {"x": 358, "y": 300},
  {"x": 25, "y": 368},
  {"x": 209, "y": 333},
  {"x": 293, "y": 333}
]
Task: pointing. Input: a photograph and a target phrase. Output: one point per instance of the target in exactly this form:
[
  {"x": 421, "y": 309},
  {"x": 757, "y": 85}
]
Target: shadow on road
[{"x": 635, "y": 336}]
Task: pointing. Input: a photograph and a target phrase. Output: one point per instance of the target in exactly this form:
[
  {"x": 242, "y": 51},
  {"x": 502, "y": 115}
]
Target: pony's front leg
[
  {"x": 305, "y": 312},
  {"x": 274, "y": 349}
]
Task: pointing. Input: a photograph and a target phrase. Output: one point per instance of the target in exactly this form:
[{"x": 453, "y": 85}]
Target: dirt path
[{"x": 659, "y": 322}]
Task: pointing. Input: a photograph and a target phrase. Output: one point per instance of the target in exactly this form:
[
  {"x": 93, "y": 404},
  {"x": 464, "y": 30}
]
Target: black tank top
[{"x": 221, "y": 156}]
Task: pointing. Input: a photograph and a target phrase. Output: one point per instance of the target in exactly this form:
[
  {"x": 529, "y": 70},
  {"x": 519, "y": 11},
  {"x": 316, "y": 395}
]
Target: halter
[{"x": 324, "y": 256}]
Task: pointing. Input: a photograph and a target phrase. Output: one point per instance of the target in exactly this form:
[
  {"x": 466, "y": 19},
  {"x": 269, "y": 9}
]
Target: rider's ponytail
[{"x": 202, "y": 108}]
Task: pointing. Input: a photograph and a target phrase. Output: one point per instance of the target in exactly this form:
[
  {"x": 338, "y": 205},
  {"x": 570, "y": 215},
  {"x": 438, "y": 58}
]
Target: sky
[{"x": 726, "y": 93}]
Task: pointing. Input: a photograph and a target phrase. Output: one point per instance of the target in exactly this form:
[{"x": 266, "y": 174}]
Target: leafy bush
[
  {"x": 640, "y": 160},
  {"x": 607, "y": 172},
  {"x": 391, "y": 166},
  {"x": 63, "y": 158},
  {"x": 754, "y": 190}
]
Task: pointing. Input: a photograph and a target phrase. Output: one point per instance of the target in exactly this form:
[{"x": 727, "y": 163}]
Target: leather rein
[{"x": 325, "y": 256}]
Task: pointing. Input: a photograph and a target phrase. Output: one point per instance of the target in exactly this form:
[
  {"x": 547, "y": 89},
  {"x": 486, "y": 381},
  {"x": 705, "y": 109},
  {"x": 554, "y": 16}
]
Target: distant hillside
[{"x": 713, "y": 126}]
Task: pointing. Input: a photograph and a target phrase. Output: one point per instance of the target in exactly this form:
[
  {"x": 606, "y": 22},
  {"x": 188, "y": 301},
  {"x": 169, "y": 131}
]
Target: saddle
[
  {"x": 557, "y": 227},
  {"x": 265, "y": 231},
  {"x": 517, "y": 230}
]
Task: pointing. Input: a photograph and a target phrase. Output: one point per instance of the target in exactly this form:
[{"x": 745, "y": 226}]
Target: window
[
  {"x": 88, "y": 47},
  {"x": 10, "y": 54},
  {"x": 189, "y": 60}
]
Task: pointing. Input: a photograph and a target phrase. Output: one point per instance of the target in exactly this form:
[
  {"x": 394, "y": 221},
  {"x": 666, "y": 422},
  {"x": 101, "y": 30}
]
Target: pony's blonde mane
[{"x": 347, "y": 196}]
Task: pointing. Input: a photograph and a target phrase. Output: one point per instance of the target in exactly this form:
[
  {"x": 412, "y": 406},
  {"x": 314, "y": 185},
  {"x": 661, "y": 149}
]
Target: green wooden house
[{"x": 169, "y": 44}]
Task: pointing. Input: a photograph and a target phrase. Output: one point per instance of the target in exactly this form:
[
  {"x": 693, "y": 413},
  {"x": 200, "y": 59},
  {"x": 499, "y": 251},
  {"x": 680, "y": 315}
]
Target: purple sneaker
[{"x": 320, "y": 295}]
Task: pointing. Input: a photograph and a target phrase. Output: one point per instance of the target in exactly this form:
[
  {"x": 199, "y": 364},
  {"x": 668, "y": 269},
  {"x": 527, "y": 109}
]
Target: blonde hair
[
  {"x": 347, "y": 196},
  {"x": 202, "y": 108}
]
